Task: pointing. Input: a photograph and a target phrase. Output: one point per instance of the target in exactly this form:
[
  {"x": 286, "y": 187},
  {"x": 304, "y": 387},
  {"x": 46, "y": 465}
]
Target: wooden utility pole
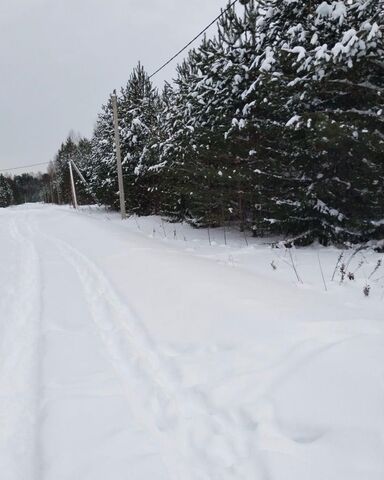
[
  {"x": 72, "y": 185},
  {"x": 118, "y": 157}
]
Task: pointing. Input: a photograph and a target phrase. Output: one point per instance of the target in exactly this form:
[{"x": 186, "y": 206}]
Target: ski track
[
  {"x": 133, "y": 354},
  {"x": 176, "y": 416},
  {"x": 19, "y": 374}
]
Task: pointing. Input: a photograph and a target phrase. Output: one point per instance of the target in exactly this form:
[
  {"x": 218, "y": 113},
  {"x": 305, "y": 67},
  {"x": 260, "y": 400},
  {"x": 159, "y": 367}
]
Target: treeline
[
  {"x": 25, "y": 188},
  {"x": 78, "y": 150},
  {"x": 274, "y": 125}
]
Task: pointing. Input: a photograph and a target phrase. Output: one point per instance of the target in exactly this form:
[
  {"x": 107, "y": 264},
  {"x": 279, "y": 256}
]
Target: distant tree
[
  {"x": 77, "y": 149},
  {"x": 27, "y": 188},
  {"x": 139, "y": 105},
  {"x": 6, "y": 194}
]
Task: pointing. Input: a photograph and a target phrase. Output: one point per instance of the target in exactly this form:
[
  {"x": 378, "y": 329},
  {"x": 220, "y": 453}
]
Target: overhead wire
[
  {"x": 194, "y": 39},
  {"x": 223, "y": 12},
  {"x": 23, "y": 167}
]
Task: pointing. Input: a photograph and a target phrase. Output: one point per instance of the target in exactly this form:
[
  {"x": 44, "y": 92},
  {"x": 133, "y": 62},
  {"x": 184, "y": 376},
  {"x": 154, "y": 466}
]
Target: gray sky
[{"x": 61, "y": 58}]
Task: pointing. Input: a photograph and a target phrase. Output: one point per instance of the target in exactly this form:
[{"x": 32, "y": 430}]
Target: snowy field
[{"x": 145, "y": 350}]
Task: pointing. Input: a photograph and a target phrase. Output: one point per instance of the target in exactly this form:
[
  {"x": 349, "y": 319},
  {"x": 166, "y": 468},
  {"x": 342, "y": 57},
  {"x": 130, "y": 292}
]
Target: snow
[
  {"x": 268, "y": 61},
  {"x": 374, "y": 32},
  {"x": 292, "y": 121},
  {"x": 337, "y": 11},
  {"x": 143, "y": 350},
  {"x": 301, "y": 52}
]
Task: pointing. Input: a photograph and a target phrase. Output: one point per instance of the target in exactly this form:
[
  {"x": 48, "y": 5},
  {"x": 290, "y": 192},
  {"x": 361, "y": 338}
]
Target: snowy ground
[{"x": 140, "y": 351}]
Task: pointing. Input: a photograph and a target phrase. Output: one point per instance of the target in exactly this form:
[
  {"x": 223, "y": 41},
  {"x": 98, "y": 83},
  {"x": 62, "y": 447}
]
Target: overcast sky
[{"x": 61, "y": 58}]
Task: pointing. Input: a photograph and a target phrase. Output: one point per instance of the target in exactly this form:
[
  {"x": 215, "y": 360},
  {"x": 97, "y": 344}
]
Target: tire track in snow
[{"x": 19, "y": 371}]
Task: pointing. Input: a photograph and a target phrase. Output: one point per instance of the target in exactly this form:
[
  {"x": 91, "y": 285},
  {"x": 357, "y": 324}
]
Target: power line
[
  {"x": 194, "y": 39},
  {"x": 153, "y": 74},
  {"x": 25, "y": 166}
]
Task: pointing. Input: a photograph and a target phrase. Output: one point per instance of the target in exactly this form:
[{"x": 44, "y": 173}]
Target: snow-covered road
[
  {"x": 66, "y": 411},
  {"x": 125, "y": 356}
]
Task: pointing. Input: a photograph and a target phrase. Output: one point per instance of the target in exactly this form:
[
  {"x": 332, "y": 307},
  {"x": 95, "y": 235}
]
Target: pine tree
[
  {"x": 225, "y": 77},
  {"x": 177, "y": 148},
  {"x": 6, "y": 194},
  {"x": 27, "y": 187},
  {"x": 275, "y": 124},
  {"x": 315, "y": 71},
  {"x": 75, "y": 149},
  {"x": 102, "y": 171},
  {"x": 160, "y": 168},
  {"x": 139, "y": 105}
]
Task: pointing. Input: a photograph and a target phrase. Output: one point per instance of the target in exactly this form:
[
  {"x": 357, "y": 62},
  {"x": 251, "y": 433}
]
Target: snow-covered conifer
[{"x": 6, "y": 194}]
